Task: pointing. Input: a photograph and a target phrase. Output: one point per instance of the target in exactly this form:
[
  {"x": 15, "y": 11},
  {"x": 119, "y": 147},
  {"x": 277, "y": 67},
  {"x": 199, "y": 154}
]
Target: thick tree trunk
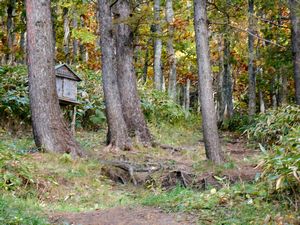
[
  {"x": 295, "y": 18},
  {"x": 10, "y": 31},
  {"x": 251, "y": 72},
  {"x": 209, "y": 121},
  {"x": 118, "y": 133},
  {"x": 66, "y": 34},
  {"x": 157, "y": 66},
  {"x": 49, "y": 128},
  {"x": 170, "y": 50},
  {"x": 127, "y": 83}
]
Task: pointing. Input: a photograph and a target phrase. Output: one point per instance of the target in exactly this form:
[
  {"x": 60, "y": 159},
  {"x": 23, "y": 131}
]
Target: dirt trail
[
  {"x": 122, "y": 216},
  {"x": 243, "y": 171}
]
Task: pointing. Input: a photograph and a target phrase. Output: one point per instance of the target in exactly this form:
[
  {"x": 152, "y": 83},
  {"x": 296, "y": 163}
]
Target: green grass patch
[
  {"x": 238, "y": 204},
  {"x": 16, "y": 211}
]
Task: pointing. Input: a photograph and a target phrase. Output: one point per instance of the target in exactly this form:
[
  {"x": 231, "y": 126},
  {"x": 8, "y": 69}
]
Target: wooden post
[{"x": 73, "y": 123}]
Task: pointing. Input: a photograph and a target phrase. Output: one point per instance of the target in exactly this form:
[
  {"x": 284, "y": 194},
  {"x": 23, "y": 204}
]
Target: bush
[
  {"x": 269, "y": 129},
  {"x": 14, "y": 174},
  {"x": 282, "y": 165},
  {"x": 14, "y": 101},
  {"x": 238, "y": 122},
  {"x": 158, "y": 107}
]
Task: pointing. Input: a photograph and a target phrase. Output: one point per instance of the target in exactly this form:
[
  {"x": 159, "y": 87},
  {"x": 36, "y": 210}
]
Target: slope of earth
[{"x": 114, "y": 187}]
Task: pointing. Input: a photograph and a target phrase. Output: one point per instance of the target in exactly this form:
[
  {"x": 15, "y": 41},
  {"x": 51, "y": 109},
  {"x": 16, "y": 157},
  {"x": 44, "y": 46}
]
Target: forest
[{"x": 149, "y": 112}]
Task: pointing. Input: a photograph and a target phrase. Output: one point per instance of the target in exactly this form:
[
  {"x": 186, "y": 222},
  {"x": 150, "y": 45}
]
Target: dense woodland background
[{"x": 156, "y": 74}]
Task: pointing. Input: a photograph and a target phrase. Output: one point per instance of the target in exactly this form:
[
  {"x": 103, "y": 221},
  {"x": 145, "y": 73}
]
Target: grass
[
  {"x": 18, "y": 211},
  {"x": 238, "y": 204},
  {"x": 63, "y": 184}
]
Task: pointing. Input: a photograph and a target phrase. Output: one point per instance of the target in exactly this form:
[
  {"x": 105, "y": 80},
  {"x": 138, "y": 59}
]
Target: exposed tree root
[{"x": 132, "y": 168}]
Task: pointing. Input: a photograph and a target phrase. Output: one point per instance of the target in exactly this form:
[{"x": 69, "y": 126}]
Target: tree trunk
[
  {"x": 284, "y": 89},
  {"x": 187, "y": 97},
  {"x": 146, "y": 65},
  {"x": 170, "y": 50},
  {"x": 53, "y": 21},
  {"x": 118, "y": 134},
  {"x": 10, "y": 30},
  {"x": 131, "y": 104},
  {"x": 49, "y": 128},
  {"x": 66, "y": 34},
  {"x": 157, "y": 67},
  {"x": 227, "y": 81},
  {"x": 262, "y": 107},
  {"x": 23, "y": 36},
  {"x": 251, "y": 72},
  {"x": 75, "y": 41},
  {"x": 82, "y": 48},
  {"x": 295, "y": 19},
  {"x": 220, "y": 86},
  {"x": 209, "y": 121}
]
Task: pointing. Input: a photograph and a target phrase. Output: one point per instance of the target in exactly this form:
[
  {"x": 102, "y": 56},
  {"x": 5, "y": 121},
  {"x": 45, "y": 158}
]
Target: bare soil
[
  {"x": 122, "y": 216},
  {"x": 177, "y": 168}
]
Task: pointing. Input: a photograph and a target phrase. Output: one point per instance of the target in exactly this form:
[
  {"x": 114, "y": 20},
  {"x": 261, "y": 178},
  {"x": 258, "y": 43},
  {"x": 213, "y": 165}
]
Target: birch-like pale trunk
[
  {"x": 66, "y": 39},
  {"x": 171, "y": 51},
  {"x": 157, "y": 66}
]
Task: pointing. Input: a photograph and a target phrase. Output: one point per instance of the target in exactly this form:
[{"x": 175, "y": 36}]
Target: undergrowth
[{"x": 238, "y": 204}]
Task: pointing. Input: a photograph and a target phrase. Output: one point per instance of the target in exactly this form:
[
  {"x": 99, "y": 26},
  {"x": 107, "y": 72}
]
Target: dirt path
[
  {"x": 122, "y": 216},
  {"x": 180, "y": 161}
]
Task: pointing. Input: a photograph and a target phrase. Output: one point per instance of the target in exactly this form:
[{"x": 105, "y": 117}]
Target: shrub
[
  {"x": 14, "y": 101},
  {"x": 238, "y": 122},
  {"x": 282, "y": 165},
  {"x": 269, "y": 129},
  {"x": 158, "y": 107},
  {"x": 14, "y": 174}
]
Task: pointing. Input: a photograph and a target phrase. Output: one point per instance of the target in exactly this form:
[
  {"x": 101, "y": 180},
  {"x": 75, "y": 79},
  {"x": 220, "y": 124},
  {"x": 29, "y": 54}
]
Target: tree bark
[
  {"x": 220, "y": 86},
  {"x": 118, "y": 134},
  {"x": 10, "y": 30},
  {"x": 262, "y": 107},
  {"x": 66, "y": 34},
  {"x": 82, "y": 48},
  {"x": 157, "y": 66},
  {"x": 50, "y": 131},
  {"x": 170, "y": 50},
  {"x": 131, "y": 104},
  {"x": 209, "y": 121},
  {"x": 75, "y": 41},
  {"x": 295, "y": 19},
  {"x": 227, "y": 85},
  {"x": 251, "y": 71},
  {"x": 146, "y": 65},
  {"x": 187, "y": 98}
]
